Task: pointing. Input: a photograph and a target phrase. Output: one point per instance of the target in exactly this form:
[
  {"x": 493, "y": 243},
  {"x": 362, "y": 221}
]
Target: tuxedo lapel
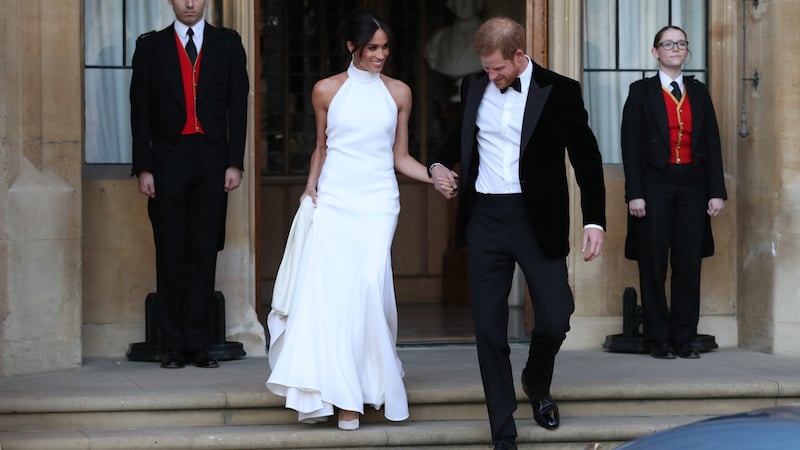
[
  {"x": 696, "y": 101},
  {"x": 534, "y": 105},
  {"x": 168, "y": 59},
  {"x": 655, "y": 101},
  {"x": 210, "y": 52},
  {"x": 476, "y": 88}
]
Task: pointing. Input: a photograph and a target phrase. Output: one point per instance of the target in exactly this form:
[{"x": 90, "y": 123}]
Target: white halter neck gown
[{"x": 336, "y": 344}]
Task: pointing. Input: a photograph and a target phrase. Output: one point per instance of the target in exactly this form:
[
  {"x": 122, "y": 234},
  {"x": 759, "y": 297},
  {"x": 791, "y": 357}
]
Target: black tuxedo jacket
[
  {"x": 645, "y": 142},
  {"x": 158, "y": 107},
  {"x": 555, "y": 119}
]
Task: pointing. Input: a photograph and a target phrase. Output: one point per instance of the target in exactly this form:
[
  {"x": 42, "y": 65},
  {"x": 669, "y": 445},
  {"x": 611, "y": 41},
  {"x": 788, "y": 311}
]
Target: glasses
[{"x": 669, "y": 45}]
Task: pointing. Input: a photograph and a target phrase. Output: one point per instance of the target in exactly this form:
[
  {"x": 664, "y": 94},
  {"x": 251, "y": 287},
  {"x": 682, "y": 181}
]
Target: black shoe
[
  {"x": 173, "y": 360},
  {"x": 662, "y": 351},
  {"x": 504, "y": 445},
  {"x": 545, "y": 413},
  {"x": 545, "y": 410},
  {"x": 205, "y": 360},
  {"x": 688, "y": 352}
]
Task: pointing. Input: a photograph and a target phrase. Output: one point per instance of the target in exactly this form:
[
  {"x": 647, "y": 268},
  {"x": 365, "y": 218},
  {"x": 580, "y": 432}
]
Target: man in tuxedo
[
  {"x": 189, "y": 120},
  {"x": 518, "y": 118}
]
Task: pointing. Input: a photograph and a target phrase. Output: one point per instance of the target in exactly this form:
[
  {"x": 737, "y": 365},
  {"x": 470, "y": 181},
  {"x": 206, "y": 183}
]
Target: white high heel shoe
[{"x": 348, "y": 425}]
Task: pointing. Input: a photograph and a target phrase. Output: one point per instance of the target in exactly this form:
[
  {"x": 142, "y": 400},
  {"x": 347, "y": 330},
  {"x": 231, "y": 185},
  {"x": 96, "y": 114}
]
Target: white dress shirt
[{"x": 499, "y": 133}]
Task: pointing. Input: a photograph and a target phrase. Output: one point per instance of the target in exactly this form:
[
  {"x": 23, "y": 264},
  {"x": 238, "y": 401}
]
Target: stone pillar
[
  {"x": 40, "y": 201},
  {"x": 236, "y": 269},
  {"x": 769, "y": 172}
]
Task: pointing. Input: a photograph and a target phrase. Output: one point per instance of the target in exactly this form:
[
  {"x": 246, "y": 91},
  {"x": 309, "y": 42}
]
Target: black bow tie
[{"x": 517, "y": 85}]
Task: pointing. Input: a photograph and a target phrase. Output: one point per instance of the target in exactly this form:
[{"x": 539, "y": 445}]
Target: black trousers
[
  {"x": 188, "y": 216},
  {"x": 498, "y": 236},
  {"x": 672, "y": 231}
]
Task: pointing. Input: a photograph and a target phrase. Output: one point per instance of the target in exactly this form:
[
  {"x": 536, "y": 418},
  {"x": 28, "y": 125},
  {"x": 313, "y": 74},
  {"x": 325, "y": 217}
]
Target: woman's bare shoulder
[
  {"x": 399, "y": 90},
  {"x": 326, "y": 88}
]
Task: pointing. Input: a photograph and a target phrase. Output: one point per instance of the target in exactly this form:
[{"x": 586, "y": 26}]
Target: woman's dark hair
[
  {"x": 661, "y": 32},
  {"x": 359, "y": 26}
]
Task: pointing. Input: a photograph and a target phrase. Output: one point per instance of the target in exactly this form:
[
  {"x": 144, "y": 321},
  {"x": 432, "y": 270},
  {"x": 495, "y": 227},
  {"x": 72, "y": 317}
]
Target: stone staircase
[{"x": 605, "y": 399}]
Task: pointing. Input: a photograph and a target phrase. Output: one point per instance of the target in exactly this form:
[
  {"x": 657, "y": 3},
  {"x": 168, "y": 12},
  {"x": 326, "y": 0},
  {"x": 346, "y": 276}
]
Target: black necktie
[
  {"x": 676, "y": 90},
  {"x": 191, "y": 50},
  {"x": 517, "y": 85}
]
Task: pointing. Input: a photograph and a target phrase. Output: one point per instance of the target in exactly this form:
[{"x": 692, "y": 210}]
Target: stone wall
[
  {"x": 63, "y": 296},
  {"x": 769, "y": 186},
  {"x": 40, "y": 186}
]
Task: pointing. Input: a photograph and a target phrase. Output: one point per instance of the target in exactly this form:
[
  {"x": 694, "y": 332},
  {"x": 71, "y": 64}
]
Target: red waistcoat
[
  {"x": 189, "y": 76},
  {"x": 679, "y": 119}
]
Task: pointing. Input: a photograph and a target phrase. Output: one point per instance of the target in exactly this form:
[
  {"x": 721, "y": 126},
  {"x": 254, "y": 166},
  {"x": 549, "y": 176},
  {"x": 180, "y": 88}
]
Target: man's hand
[
  {"x": 444, "y": 181},
  {"x": 147, "y": 184},
  {"x": 233, "y": 178},
  {"x": 592, "y": 243}
]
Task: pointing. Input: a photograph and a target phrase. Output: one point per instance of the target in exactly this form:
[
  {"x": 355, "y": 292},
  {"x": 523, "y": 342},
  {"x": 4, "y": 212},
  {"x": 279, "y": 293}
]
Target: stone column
[
  {"x": 236, "y": 267},
  {"x": 769, "y": 187},
  {"x": 40, "y": 194}
]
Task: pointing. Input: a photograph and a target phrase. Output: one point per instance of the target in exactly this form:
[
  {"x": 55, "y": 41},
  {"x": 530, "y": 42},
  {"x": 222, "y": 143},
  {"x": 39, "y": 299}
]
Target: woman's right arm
[
  {"x": 631, "y": 137},
  {"x": 631, "y": 140}
]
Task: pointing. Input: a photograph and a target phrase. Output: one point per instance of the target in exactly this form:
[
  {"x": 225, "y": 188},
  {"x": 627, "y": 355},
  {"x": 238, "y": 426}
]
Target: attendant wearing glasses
[{"x": 674, "y": 184}]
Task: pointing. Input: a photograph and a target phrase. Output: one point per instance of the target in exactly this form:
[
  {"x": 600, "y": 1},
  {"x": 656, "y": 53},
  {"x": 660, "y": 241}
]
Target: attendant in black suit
[
  {"x": 189, "y": 119},
  {"x": 674, "y": 184},
  {"x": 513, "y": 207}
]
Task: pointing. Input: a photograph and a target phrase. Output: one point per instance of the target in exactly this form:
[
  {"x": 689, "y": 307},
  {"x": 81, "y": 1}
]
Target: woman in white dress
[{"x": 333, "y": 333}]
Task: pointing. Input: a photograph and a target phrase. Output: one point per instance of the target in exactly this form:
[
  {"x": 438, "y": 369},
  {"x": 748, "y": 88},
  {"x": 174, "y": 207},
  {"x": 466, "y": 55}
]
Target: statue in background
[{"x": 449, "y": 51}]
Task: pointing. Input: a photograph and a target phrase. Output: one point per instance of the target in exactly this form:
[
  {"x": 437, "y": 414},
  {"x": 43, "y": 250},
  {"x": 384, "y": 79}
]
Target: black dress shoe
[
  {"x": 173, "y": 360},
  {"x": 545, "y": 410},
  {"x": 662, "y": 351},
  {"x": 205, "y": 360},
  {"x": 505, "y": 445},
  {"x": 545, "y": 413},
  {"x": 688, "y": 352}
]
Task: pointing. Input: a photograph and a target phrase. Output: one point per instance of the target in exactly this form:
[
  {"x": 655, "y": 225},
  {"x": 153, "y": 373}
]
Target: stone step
[
  {"x": 576, "y": 433},
  {"x": 183, "y": 411},
  {"x": 604, "y": 398}
]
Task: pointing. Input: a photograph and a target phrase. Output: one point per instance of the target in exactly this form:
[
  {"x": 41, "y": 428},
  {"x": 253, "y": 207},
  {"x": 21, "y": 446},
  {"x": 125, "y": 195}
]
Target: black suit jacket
[
  {"x": 645, "y": 142},
  {"x": 158, "y": 107},
  {"x": 555, "y": 119}
]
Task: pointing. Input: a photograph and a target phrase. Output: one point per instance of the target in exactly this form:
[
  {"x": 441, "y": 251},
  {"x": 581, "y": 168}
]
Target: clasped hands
[{"x": 444, "y": 181}]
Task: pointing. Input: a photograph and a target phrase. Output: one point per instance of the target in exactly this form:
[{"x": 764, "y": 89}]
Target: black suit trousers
[
  {"x": 673, "y": 230},
  {"x": 498, "y": 236},
  {"x": 187, "y": 215}
]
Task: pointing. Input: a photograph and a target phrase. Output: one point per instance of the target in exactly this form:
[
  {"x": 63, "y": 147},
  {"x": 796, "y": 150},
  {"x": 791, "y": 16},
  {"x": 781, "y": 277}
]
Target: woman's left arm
[
  {"x": 403, "y": 161},
  {"x": 715, "y": 173}
]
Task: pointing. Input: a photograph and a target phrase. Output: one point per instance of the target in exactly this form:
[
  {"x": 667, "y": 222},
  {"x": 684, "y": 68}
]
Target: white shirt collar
[
  {"x": 525, "y": 76},
  {"x": 666, "y": 80},
  {"x": 197, "y": 28}
]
